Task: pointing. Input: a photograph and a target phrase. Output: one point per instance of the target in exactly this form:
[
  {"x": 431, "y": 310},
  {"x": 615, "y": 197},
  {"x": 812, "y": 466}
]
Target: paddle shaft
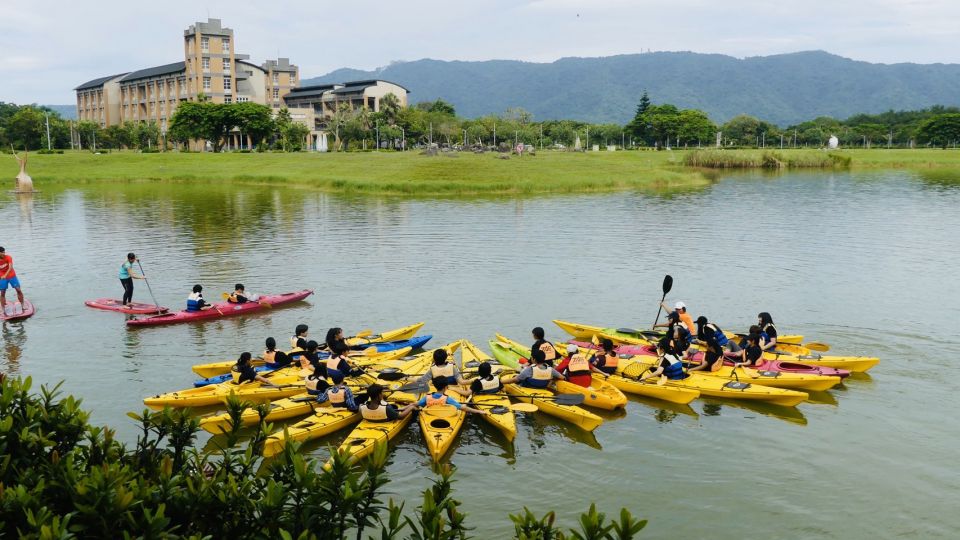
[
  {"x": 667, "y": 285},
  {"x": 145, "y": 280}
]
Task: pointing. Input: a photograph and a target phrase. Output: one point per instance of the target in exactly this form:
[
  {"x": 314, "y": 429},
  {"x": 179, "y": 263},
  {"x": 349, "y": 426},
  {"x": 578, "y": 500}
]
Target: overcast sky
[{"x": 48, "y": 47}]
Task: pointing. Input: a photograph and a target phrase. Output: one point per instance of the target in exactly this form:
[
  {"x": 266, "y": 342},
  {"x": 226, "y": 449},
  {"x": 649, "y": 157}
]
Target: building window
[
  {"x": 242, "y": 99},
  {"x": 227, "y": 83},
  {"x": 228, "y": 99},
  {"x": 205, "y": 62},
  {"x": 276, "y": 78},
  {"x": 206, "y": 83},
  {"x": 205, "y": 44},
  {"x": 226, "y": 44},
  {"x": 276, "y": 93},
  {"x": 226, "y": 65}
]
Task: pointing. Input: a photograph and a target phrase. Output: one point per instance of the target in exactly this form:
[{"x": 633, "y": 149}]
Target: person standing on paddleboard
[
  {"x": 127, "y": 275},
  {"x": 8, "y": 277}
]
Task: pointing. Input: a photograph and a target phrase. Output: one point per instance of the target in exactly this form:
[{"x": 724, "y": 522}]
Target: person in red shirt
[
  {"x": 577, "y": 368},
  {"x": 8, "y": 278}
]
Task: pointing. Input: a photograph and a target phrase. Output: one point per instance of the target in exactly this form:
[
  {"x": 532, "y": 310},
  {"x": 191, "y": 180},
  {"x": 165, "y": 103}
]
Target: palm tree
[
  {"x": 341, "y": 116},
  {"x": 390, "y": 108}
]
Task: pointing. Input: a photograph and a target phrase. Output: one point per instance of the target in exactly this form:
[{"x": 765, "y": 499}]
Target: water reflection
[
  {"x": 14, "y": 339},
  {"x": 543, "y": 430},
  {"x": 663, "y": 411},
  {"x": 714, "y": 407},
  {"x": 940, "y": 179}
]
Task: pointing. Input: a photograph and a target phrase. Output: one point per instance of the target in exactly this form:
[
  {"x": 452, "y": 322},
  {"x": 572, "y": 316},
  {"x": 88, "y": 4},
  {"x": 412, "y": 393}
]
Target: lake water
[{"x": 865, "y": 261}]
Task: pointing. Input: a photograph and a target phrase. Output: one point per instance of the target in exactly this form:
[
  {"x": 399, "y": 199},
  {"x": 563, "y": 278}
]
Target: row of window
[
  {"x": 227, "y": 83},
  {"x": 205, "y": 64},
  {"x": 205, "y": 44}
]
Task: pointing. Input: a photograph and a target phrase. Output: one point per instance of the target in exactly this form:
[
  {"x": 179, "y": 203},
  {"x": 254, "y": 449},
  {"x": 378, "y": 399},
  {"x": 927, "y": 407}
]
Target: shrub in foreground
[{"x": 60, "y": 477}]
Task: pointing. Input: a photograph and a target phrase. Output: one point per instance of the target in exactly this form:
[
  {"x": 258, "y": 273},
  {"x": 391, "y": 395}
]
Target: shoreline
[{"x": 455, "y": 174}]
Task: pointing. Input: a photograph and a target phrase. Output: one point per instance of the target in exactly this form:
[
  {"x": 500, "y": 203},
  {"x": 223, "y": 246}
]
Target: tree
[
  {"x": 390, "y": 108},
  {"x": 941, "y": 130},
  {"x": 438, "y": 106},
  {"x": 342, "y": 115},
  {"x": 26, "y": 128},
  {"x": 254, "y": 121},
  {"x": 291, "y": 134},
  {"x": 146, "y": 135},
  {"x": 694, "y": 127},
  {"x": 640, "y": 127}
]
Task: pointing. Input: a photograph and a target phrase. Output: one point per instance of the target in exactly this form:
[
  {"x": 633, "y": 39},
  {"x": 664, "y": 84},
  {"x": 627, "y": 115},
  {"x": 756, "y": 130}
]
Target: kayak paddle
[
  {"x": 515, "y": 407},
  {"x": 152, "y": 297},
  {"x": 667, "y": 285}
]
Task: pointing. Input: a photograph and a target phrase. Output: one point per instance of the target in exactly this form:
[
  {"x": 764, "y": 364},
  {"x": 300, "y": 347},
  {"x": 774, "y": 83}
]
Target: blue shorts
[{"x": 13, "y": 282}]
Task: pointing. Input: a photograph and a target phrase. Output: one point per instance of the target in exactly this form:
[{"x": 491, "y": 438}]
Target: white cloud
[{"x": 47, "y": 47}]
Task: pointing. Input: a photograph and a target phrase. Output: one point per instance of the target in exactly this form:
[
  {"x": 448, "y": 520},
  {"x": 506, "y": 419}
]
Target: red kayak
[
  {"x": 28, "y": 311},
  {"x": 133, "y": 308},
  {"x": 766, "y": 365},
  {"x": 222, "y": 309}
]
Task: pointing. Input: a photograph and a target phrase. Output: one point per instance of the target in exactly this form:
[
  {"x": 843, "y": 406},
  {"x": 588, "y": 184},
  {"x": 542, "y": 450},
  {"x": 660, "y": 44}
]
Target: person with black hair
[
  {"x": 239, "y": 295},
  {"x": 127, "y": 275},
  {"x": 540, "y": 374},
  {"x": 335, "y": 337},
  {"x": 550, "y": 352},
  {"x": 668, "y": 365},
  {"x": 338, "y": 394},
  {"x": 768, "y": 332},
  {"x": 606, "y": 360},
  {"x": 375, "y": 409},
  {"x": 299, "y": 334},
  {"x": 707, "y": 330},
  {"x": 195, "y": 301},
  {"x": 337, "y": 363},
  {"x": 310, "y": 358},
  {"x": 676, "y": 341},
  {"x": 438, "y": 398},
  {"x": 273, "y": 358},
  {"x": 488, "y": 383},
  {"x": 752, "y": 353},
  {"x": 243, "y": 372}
]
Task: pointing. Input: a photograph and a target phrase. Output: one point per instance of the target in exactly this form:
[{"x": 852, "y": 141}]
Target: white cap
[
  {"x": 572, "y": 349},
  {"x": 679, "y": 305}
]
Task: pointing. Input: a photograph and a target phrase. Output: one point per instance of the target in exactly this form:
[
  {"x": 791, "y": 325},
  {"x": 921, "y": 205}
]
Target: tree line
[{"x": 436, "y": 122}]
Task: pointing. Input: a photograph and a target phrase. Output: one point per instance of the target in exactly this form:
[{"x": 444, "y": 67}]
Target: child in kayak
[
  {"x": 127, "y": 275},
  {"x": 299, "y": 334},
  {"x": 8, "y": 278},
  {"x": 681, "y": 310},
  {"x": 607, "y": 360},
  {"x": 310, "y": 358},
  {"x": 550, "y": 352},
  {"x": 677, "y": 339},
  {"x": 273, "y": 358},
  {"x": 195, "y": 301},
  {"x": 335, "y": 337},
  {"x": 337, "y": 364},
  {"x": 338, "y": 394},
  {"x": 445, "y": 370},
  {"x": 243, "y": 372},
  {"x": 539, "y": 375},
  {"x": 669, "y": 365},
  {"x": 239, "y": 295},
  {"x": 752, "y": 354},
  {"x": 712, "y": 353},
  {"x": 577, "y": 368},
  {"x": 316, "y": 382},
  {"x": 705, "y": 329},
  {"x": 438, "y": 398},
  {"x": 488, "y": 383},
  {"x": 377, "y": 410},
  {"x": 768, "y": 332}
]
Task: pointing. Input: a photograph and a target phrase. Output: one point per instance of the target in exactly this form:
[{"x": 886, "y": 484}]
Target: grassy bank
[
  {"x": 764, "y": 159},
  {"x": 384, "y": 172}
]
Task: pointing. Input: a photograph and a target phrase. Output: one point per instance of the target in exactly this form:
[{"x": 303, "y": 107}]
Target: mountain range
[{"x": 783, "y": 89}]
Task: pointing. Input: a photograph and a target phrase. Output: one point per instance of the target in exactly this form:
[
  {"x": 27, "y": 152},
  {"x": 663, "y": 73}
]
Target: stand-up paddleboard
[
  {"x": 133, "y": 308},
  {"x": 28, "y": 311}
]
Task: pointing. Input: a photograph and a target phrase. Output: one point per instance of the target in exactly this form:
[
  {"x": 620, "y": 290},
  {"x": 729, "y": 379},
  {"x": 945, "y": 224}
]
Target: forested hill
[{"x": 785, "y": 89}]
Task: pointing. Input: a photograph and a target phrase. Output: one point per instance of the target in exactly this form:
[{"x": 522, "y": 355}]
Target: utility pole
[
  {"x": 494, "y": 134},
  {"x": 71, "y": 134},
  {"x": 378, "y": 136},
  {"x": 47, "y": 116},
  {"x": 541, "y": 137},
  {"x": 403, "y": 139},
  {"x": 623, "y": 140},
  {"x": 431, "y": 133},
  {"x": 464, "y": 138},
  {"x": 781, "y": 141}
]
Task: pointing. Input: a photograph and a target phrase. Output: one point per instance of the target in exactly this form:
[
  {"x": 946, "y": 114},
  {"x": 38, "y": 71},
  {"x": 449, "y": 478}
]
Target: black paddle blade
[
  {"x": 391, "y": 375},
  {"x": 569, "y": 399},
  {"x": 415, "y": 388},
  {"x": 667, "y": 283},
  {"x": 499, "y": 409}
]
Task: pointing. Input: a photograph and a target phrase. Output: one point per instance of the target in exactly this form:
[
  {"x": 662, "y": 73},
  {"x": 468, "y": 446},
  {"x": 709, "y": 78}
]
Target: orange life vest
[
  {"x": 549, "y": 351},
  {"x": 578, "y": 365},
  {"x": 433, "y": 401},
  {"x": 611, "y": 360}
]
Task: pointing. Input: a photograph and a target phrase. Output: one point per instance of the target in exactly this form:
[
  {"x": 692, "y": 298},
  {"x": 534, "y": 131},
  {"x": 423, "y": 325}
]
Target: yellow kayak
[
  {"x": 717, "y": 387},
  {"x": 213, "y": 369},
  {"x": 285, "y": 382},
  {"x": 585, "y": 332},
  {"x": 362, "y": 440},
  {"x": 541, "y": 397},
  {"x": 440, "y": 425},
  {"x": 600, "y": 394},
  {"x": 324, "y": 421},
  {"x": 673, "y": 394},
  {"x": 506, "y": 422},
  {"x": 775, "y": 379},
  {"x": 797, "y": 353}
]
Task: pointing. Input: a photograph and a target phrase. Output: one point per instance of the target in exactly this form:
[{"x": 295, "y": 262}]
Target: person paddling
[
  {"x": 8, "y": 278},
  {"x": 338, "y": 394},
  {"x": 273, "y": 358},
  {"x": 438, "y": 398},
  {"x": 539, "y": 375},
  {"x": 681, "y": 310},
  {"x": 549, "y": 350},
  {"x": 677, "y": 339},
  {"x": 377, "y": 410},
  {"x": 607, "y": 360},
  {"x": 577, "y": 368},
  {"x": 239, "y": 295},
  {"x": 768, "y": 332},
  {"x": 243, "y": 372},
  {"x": 127, "y": 275},
  {"x": 195, "y": 301},
  {"x": 669, "y": 365}
]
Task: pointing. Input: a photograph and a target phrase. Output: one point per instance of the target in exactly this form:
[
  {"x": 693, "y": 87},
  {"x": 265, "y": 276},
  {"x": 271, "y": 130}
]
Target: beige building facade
[{"x": 324, "y": 99}]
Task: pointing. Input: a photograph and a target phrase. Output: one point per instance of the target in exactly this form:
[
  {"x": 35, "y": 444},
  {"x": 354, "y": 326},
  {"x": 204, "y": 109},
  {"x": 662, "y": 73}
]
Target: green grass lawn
[
  {"x": 406, "y": 173},
  {"x": 410, "y": 173}
]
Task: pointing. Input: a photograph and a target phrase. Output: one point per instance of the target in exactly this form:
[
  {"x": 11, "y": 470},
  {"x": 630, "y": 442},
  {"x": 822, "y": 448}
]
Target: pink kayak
[
  {"x": 766, "y": 365},
  {"x": 28, "y": 311},
  {"x": 222, "y": 309},
  {"x": 133, "y": 308}
]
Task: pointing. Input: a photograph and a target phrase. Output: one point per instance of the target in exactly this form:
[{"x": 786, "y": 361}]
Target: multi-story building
[{"x": 210, "y": 68}]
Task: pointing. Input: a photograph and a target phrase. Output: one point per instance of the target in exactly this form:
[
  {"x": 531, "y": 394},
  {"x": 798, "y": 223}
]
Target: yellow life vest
[
  {"x": 544, "y": 373},
  {"x": 333, "y": 362},
  {"x": 268, "y": 356},
  {"x": 375, "y": 415},
  {"x": 293, "y": 341},
  {"x": 311, "y": 383},
  {"x": 493, "y": 385},
  {"x": 337, "y": 395},
  {"x": 445, "y": 370}
]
